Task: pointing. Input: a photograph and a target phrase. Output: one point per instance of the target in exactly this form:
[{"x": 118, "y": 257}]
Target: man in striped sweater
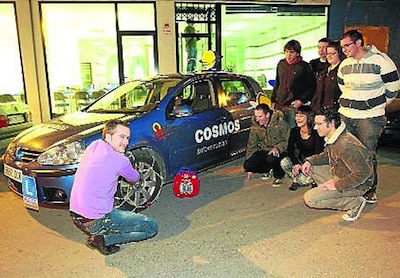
[{"x": 369, "y": 80}]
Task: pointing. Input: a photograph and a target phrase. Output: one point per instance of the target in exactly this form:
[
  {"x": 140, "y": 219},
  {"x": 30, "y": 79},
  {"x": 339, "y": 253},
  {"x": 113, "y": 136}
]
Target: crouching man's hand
[
  {"x": 248, "y": 176},
  {"x": 328, "y": 185},
  {"x": 306, "y": 168}
]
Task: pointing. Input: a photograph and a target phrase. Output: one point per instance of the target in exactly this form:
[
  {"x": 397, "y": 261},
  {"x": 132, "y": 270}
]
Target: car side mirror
[{"x": 180, "y": 111}]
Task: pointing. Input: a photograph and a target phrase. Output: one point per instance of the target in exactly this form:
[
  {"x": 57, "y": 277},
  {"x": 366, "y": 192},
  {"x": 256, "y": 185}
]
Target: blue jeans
[
  {"x": 119, "y": 227},
  {"x": 191, "y": 59},
  {"x": 368, "y": 132}
]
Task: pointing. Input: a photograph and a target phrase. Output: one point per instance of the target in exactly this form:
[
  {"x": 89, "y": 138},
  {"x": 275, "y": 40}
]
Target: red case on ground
[{"x": 186, "y": 183}]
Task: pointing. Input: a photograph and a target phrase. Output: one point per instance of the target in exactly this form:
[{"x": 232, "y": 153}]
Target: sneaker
[
  {"x": 314, "y": 185},
  {"x": 277, "y": 182},
  {"x": 371, "y": 198},
  {"x": 294, "y": 186},
  {"x": 353, "y": 214},
  {"x": 265, "y": 176}
]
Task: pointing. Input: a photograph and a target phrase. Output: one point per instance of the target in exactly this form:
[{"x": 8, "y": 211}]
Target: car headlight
[{"x": 63, "y": 154}]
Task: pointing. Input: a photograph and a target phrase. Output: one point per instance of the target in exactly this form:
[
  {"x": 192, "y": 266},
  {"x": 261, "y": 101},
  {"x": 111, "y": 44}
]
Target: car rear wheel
[{"x": 142, "y": 194}]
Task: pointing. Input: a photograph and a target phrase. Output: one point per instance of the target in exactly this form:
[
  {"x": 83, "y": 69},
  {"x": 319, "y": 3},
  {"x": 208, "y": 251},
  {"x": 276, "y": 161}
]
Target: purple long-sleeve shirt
[{"x": 95, "y": 181}]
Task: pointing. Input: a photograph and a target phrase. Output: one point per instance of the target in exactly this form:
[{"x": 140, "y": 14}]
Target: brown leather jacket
[{"x": 350, "y": 161}]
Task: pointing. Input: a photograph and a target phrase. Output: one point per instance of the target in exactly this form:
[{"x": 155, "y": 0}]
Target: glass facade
[
  {"x": 12, "y": 84},
  {"x": 253, "y": 37},
  {"x": 86, "y": 48},
  {"x": 82, "y": 50}
]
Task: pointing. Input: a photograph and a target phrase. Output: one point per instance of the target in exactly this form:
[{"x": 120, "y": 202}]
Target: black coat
[{"x": 327, "y": 92}]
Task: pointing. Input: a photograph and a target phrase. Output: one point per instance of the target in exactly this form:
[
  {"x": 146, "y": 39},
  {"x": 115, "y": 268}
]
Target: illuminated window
[
  {"x": 138, "y": 17},
  {"x": 82, "y": 55},
  {"x": 253, "y": 37},
  {"x": 10, "y": 66}
]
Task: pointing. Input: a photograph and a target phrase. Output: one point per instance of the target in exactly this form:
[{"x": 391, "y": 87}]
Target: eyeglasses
[
  {"x": 331, "y": 54},
  {"x": 348, "y": 44}
]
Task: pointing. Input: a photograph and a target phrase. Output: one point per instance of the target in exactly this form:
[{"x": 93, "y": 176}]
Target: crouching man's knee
[{"x": 311, "y": 198}]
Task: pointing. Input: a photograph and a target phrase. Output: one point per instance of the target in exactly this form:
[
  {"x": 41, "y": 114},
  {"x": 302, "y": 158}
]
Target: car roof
[{"x": 190, "y": 75}]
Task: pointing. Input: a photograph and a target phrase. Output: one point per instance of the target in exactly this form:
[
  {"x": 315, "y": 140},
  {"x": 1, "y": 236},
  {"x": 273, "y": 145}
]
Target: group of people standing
[{"x": 325, "y": 121}]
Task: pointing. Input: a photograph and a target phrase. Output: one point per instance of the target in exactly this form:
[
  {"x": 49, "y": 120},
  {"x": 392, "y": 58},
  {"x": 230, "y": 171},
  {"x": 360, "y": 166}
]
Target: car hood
[{"x": 71, "y": 127}]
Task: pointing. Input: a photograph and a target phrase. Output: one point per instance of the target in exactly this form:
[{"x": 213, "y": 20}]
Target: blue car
[{"x": 195, "y": 120}]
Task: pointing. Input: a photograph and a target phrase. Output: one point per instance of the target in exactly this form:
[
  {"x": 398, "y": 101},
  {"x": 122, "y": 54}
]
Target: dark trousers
[{"x": 262, "y": 162}]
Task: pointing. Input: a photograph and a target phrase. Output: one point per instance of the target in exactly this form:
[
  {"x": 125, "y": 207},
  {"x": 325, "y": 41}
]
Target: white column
[{"x": 165, "y": 13}]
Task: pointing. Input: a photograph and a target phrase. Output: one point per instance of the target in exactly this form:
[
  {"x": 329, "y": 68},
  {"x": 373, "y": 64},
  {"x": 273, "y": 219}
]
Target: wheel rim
[{"x": 143, "y": 193}]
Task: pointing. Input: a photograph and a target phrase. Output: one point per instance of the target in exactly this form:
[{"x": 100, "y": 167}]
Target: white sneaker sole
[{"x": 346, "y": 217}]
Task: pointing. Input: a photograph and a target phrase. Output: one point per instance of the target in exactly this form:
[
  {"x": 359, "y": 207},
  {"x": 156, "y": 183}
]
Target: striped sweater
[{"x": 375, "y": 76}]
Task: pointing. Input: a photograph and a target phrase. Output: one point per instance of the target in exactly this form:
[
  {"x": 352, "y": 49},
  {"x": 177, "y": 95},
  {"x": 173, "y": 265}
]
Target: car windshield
[{"x": 134, "y": 95}]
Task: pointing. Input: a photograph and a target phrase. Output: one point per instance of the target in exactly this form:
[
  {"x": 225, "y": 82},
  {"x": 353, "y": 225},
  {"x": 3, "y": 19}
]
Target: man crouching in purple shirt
[{"x": 92, "y": 195}]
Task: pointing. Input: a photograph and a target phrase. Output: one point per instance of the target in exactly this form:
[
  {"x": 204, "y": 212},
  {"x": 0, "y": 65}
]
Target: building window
[
  {"x": 12, "y": 83},
  {"x": 253, "y": 37},
  {"x": 137, "y": 17},
  {"x": 82, "y": 52}
]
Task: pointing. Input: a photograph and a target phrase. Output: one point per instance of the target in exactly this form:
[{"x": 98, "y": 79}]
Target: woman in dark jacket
[
  {"x": 327, "y": 92},
  {"x": 304, "y": 141}
]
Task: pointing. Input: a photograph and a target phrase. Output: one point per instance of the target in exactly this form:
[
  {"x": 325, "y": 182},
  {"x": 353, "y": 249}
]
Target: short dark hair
[
  {"x": 264, "y": 107},
  {"x": 293, "y": 45},
  {"x": 354, "y": 36},
  {"x": 330, "y": 114},
  {"x": 325, "y": 40},
  {"x": 110, "y": 126}
]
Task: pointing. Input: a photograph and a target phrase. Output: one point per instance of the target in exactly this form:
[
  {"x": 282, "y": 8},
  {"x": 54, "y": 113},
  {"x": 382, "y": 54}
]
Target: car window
[
  {"x": 200, "y": 96},
  {"x": 236, "y": 92},
  {"x": 135, "y": 94}
]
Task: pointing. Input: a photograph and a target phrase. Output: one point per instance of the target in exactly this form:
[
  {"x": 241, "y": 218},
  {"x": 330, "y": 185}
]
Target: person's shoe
[
  {"x": 314, "y": 185},
  {"x": 371, "y": 198},
  {"x": 294, "y": 186},
  {"x": 353, "y": 214},
  {"x": 265, "y": 176},
  {"x": 277, "y": 182},
  {"x": 97, "y": 242}
]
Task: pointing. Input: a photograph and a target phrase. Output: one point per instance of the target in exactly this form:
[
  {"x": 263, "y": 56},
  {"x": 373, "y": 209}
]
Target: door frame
[
  {"x": 211, "y": 14},
  {"x": 122, "y": 34}
]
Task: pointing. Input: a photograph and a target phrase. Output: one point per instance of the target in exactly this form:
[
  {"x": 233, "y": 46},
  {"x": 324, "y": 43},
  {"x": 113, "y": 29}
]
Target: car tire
[{"x": 142, "y": 194}]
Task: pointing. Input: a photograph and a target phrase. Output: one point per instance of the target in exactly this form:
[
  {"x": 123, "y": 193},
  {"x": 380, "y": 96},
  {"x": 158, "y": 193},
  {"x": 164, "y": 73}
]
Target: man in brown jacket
[
  {"x": 349, "y": 174},
  {"x": 268, "y": 139}
]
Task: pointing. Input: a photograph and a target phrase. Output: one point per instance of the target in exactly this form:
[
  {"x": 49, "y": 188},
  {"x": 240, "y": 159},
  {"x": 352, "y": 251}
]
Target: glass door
[
  {"x": 138, "y": 57},
  {"x": 196, "y": 25},
  {"x": 192, "y": 44}
]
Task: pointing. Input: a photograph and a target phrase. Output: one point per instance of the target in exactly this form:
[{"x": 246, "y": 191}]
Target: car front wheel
[{"x": 142, "y": 194}]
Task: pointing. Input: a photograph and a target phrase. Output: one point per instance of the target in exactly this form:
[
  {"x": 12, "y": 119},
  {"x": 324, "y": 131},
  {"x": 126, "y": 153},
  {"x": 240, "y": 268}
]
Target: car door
[
  {"x": 238, "y": 94},
  {"x": 198, "y": 141}
]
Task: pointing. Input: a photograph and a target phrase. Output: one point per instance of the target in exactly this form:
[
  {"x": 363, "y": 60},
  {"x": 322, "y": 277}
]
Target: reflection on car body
[{"x": 195, "y": 120}]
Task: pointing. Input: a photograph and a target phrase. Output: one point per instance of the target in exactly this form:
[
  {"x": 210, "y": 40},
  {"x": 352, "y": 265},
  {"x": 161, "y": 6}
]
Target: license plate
[
  {"x": 12, "y": 173},
  {"x": 29, "y": 192},
  {"x": 16, "y": 119}
]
